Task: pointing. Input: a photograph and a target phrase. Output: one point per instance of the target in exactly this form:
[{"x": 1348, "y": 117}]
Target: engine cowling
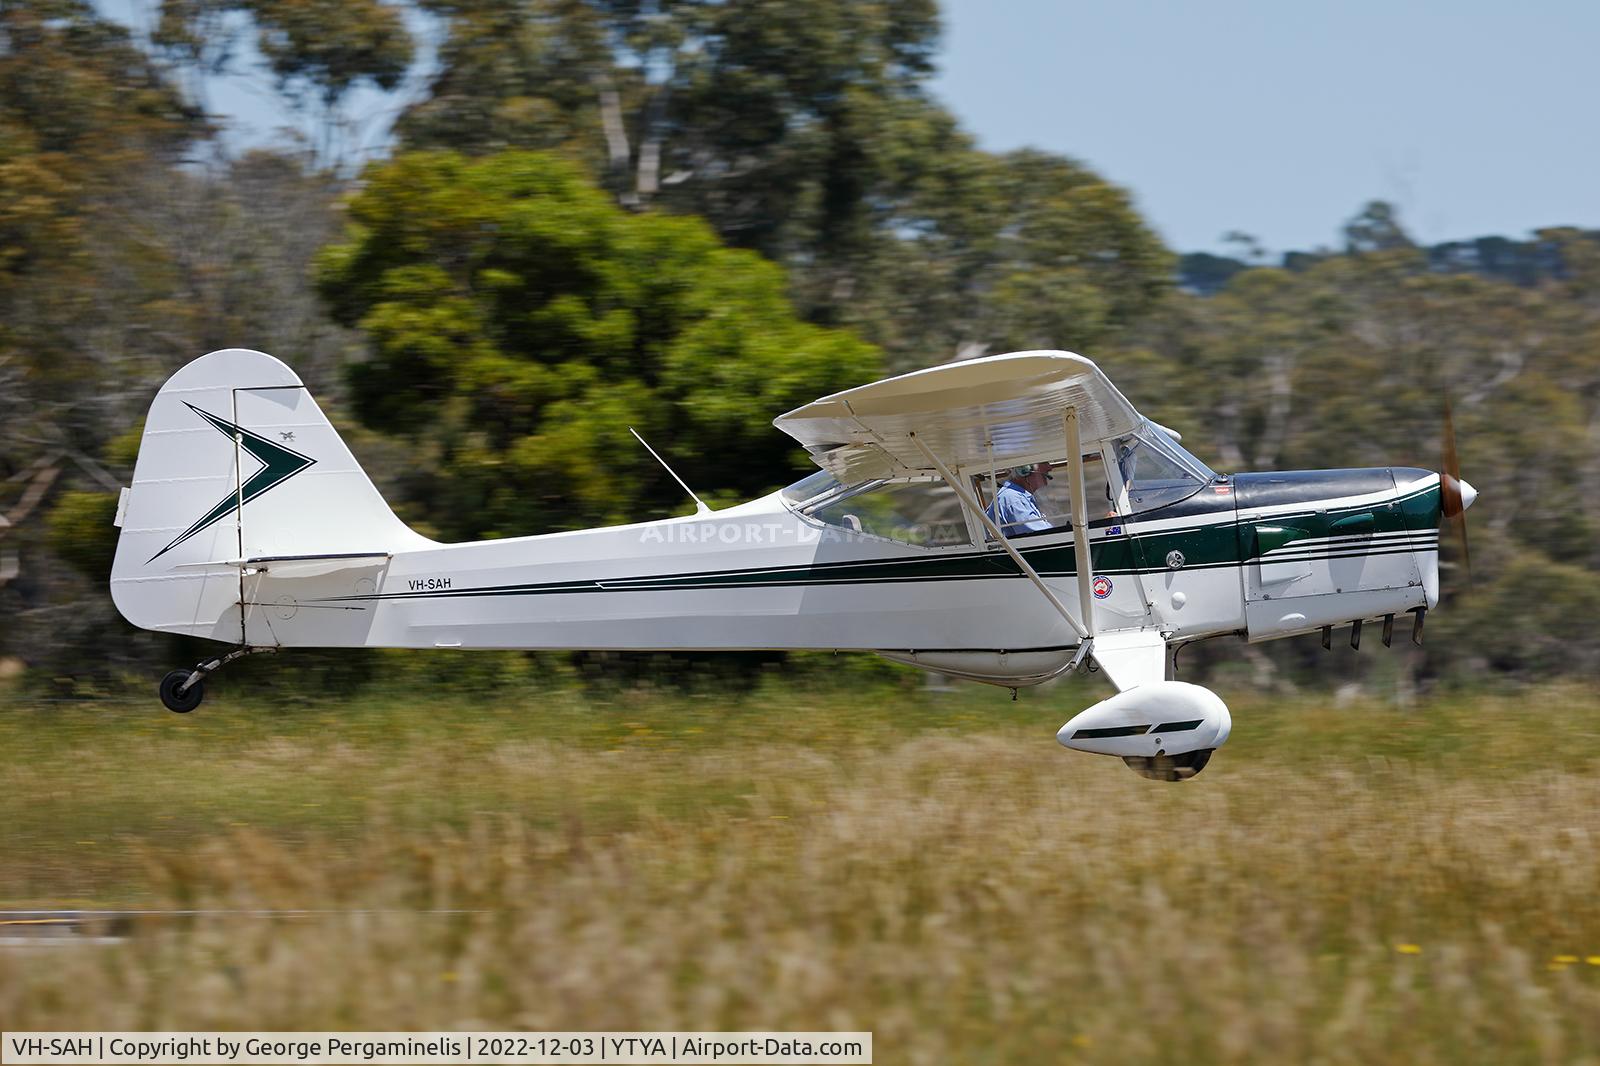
[{"x": 1164, "y": 730}]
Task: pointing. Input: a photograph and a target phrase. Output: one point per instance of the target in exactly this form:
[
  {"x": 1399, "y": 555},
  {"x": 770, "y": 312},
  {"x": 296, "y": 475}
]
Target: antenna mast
[{"x": 699, "y": 504}]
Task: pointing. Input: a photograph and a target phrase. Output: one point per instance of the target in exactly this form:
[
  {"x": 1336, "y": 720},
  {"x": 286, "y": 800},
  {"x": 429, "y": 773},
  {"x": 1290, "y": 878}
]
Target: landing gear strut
[{"x": 182, "y": 690}]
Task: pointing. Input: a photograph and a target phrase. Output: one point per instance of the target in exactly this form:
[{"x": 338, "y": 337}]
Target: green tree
[
  {"x": 1376, "y": 228},
  {"x": 778, "y": 121},
  {"x": 800, "y": 130},
  {"x": 803, "y": 130},
  {"x": 519, "y": 322},
  {"x": 744, "y": 113},
  {"x": 120, "y": 260},
  {"x": 317, "y": 50},
  {"x": 84, "y": 114},
  {"x": 991, "y": 253}
]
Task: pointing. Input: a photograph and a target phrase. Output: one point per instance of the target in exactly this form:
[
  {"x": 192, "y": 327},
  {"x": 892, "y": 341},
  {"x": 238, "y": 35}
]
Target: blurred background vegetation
[{"x": 690, "y": 216}]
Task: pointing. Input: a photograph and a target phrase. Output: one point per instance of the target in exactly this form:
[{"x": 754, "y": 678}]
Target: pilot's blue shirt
[{"x": 1015, "y": 510}]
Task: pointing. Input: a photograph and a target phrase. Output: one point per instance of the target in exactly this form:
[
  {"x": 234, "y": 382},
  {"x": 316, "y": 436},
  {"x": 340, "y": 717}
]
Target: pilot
[{"x": 1015, "y": 510}]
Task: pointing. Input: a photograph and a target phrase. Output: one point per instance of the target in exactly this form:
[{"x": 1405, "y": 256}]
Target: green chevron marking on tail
[{"x": 278, "y": 464}]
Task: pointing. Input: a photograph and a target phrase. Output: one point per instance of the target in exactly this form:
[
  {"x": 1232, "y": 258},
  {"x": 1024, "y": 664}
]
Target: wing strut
[
  {"x": 1033, "y": 575},
  {"x": 1080, "y": 524}
]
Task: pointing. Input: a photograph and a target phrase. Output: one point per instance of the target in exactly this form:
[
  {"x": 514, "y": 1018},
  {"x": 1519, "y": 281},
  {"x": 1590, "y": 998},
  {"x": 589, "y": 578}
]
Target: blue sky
[
  {"x": 1277, "y": 119},
  {"x": 1280, "y": 119}
]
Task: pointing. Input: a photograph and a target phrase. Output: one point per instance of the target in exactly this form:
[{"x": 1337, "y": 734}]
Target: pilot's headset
[{"x": 1020, "y": 472}]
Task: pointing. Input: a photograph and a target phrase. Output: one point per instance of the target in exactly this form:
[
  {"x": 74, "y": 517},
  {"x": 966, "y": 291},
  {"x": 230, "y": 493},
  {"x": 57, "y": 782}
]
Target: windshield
[
  {"x": 811, "y": 487},
  {"x": 1156, "y": 470}
]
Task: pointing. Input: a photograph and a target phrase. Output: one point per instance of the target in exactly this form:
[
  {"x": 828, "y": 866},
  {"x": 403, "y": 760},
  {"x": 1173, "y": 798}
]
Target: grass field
[{"x": 1353, "y": 884}]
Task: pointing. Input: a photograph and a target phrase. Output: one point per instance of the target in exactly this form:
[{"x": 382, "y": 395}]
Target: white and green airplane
[{"x": 250, "y": 523}]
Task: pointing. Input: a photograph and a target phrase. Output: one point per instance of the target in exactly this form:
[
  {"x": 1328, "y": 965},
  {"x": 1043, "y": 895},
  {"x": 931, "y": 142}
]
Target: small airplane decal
[{"x": 278, "y": 464}]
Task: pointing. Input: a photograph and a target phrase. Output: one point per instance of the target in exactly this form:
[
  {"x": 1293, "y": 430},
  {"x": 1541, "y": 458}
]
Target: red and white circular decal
[{"x": 1101, "y": 587}]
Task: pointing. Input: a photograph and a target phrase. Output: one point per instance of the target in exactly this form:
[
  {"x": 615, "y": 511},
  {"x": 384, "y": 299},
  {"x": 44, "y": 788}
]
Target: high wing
[
  {"x": 979, "y": 414},
  {"x": 998, "y": 410}
]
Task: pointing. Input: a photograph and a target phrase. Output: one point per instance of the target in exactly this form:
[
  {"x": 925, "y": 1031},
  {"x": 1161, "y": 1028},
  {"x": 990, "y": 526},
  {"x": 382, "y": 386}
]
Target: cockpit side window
[
  {"x": 1053, "y": 499},
  {"x": 921, "y": 511}
]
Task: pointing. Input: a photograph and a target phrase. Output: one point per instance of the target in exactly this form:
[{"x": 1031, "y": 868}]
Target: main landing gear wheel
[
  {"x": 179, "y": 699},
  {"x": 1169, "y": 767}
]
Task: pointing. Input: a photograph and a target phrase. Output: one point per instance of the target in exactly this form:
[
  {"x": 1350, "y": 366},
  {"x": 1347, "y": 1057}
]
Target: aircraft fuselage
[{"x": 1262, "y": 555}]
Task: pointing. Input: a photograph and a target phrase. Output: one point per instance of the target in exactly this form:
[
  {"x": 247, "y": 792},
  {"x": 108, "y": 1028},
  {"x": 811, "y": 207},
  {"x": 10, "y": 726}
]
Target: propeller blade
[
  {"x": 1450, "y": 468},
  {"x": 1452, "y": 504},
  {"x": 1460, "y": 522}
]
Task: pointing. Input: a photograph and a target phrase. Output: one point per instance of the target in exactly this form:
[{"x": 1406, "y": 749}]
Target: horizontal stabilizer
[{"x": 299, "y": 565}]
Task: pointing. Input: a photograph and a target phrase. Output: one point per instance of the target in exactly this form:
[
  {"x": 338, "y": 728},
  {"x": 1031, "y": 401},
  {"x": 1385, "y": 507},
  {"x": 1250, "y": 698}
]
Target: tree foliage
[
  {"x": 324, "y": 47},
  {"x": 83, "y": 113},
  {"x": 120, "y": 260},
  {"x": 519, "y": 322},
  {"x": 317, "y": 51},
  {"x": 1003, "y": 253},
  {"x": 749, "y": 109},
  {"x": 800, "y": 129},
  {"x": 803, "y": 130}
]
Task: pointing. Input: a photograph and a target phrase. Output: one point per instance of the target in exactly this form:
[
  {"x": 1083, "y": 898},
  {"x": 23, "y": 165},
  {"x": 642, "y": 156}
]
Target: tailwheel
[
  {"x": 179, "y": 699},
  {"x": 1169, "y": 767},
  {"x": 182, "y": 690}
]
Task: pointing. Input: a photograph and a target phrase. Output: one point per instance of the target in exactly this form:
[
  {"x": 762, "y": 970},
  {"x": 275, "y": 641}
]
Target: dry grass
[{"x": 1355, "y": 886}]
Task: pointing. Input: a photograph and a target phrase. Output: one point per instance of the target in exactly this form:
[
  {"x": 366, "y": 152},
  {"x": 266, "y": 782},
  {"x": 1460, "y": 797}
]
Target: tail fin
[{"x": 237, "y": 462}]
